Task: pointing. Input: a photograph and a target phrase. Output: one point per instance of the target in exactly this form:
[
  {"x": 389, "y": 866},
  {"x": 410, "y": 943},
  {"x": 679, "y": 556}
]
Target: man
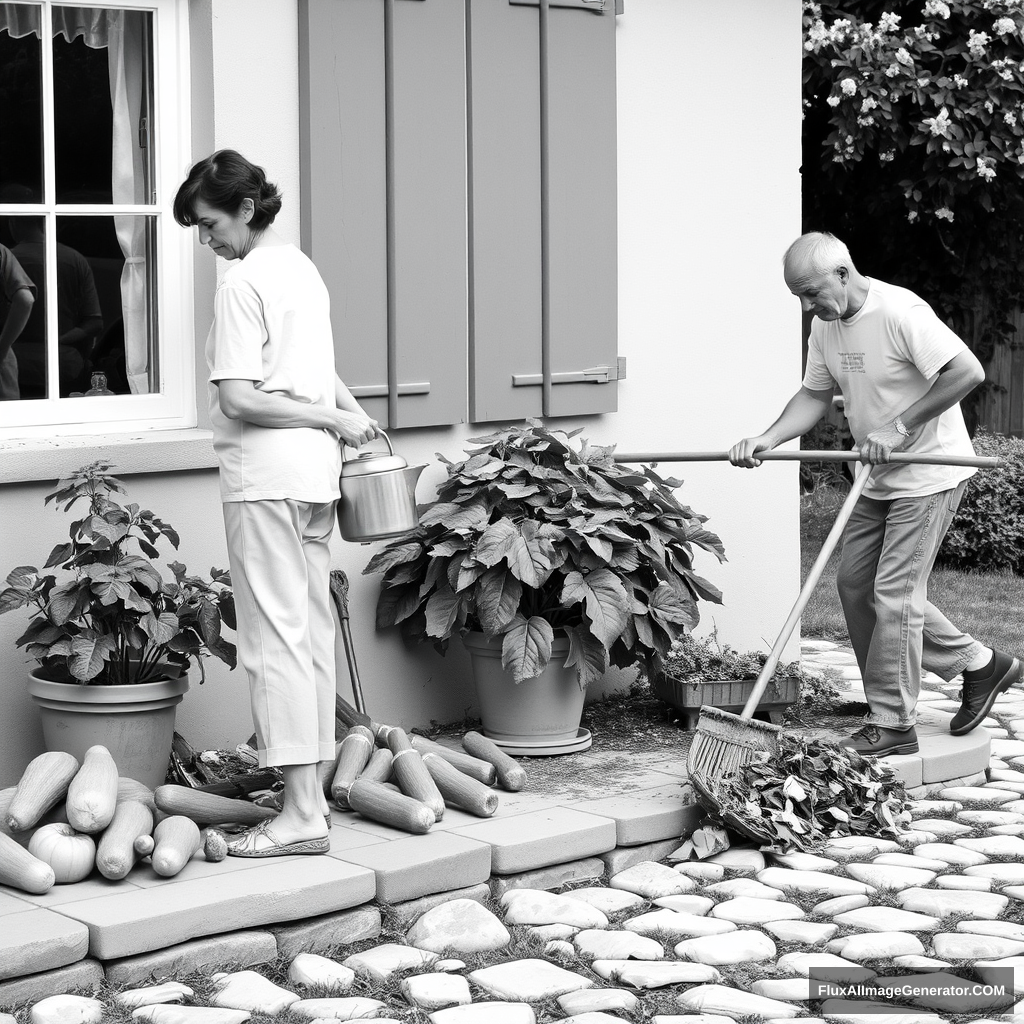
[{"x": 902, "y": 373}]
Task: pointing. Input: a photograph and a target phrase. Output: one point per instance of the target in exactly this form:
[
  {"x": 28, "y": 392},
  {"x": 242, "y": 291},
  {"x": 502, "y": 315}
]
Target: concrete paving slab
[
  {"x": 85, "y": 976},
  {"x": 648, "y": 816},
  {"x": 282, "y": 889},
  {"x": 39, "y": 940},
  {"x": 543, "y": 837},
  {"x": 419, "y": 865}
]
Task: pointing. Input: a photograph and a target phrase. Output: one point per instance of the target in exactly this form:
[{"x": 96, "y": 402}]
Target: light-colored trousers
[
  {"x": 889, "y": 548},
  {"x": 280, "y": 572}
]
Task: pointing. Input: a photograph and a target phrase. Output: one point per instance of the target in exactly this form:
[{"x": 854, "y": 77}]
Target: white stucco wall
[{"x": 709, "y": 152}]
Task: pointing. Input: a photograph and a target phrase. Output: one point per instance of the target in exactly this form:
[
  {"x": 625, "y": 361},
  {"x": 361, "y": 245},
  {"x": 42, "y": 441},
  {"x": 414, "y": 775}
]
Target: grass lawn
[{"x": 989, "y": 606}]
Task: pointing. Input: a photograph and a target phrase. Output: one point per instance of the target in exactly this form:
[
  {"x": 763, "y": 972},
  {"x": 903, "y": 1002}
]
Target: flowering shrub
[
  {"x": 914, "y": 149},
  {"x": 937, "y": 92}
]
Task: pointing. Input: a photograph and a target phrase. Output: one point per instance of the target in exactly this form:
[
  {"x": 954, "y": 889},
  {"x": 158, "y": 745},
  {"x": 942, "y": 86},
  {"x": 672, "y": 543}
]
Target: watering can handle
[{"x": 380, "y": 433}]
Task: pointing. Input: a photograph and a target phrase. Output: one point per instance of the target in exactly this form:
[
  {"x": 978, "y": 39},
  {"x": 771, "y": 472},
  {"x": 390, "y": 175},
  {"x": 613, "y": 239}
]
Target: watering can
[{"x": 378, "y": 495}]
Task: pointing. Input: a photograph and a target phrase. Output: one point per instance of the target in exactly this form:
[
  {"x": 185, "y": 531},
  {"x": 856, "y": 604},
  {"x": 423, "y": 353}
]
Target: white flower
[
  {"x": 888, "y": 22},
  {"x": 959, "y": 81},
  {"x": 903, "y": 56},
  {"x": 1004, "y": 26},
  {"x": 866, "y": 122},
  {"x": 990, "y": 106},
  {"x": 986, "y": 168},
  {"x": 833, "y": 101},
  {"x": 944, "y": 213},
  {"x": 892, "y": 71},
  {"x": 817, "y": 36},
  {"x": 837, "y": 33},
  {"x": 933, "y": 7},
  {"x": 976, "y": 43},
  {"x": 887, "y": 156},
  {"x": 912, "y": 216},
  {"x": 849, "y": 86},
  {"x": 922, "y": 82},
  {"x": 939, "y": 124},
  {"x": 869, "y": 104},
  {"x": 1010, "y": 118}
]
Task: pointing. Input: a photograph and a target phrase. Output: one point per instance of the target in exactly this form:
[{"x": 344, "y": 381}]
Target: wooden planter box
[{"x": 727, "y": 694}]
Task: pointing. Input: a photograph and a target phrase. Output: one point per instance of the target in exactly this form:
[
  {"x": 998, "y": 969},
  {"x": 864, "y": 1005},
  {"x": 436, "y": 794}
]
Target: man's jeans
[{"x": 888, "y": 551}]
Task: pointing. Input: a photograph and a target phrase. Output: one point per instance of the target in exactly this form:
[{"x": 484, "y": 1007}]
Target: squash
[
  {"x": 377, "y": 802},
  {"x": 115, "y": 854},
  {"x": 143, "y": 845},
  {"x": 18, "y": 868},
  {"x": 55, "y": 813},
  {"x": 411, "y": 773},
  {"x": 71, "y": 854},
  {"x": 460, "y": 790},
  {"x": 132, "y": 789},
  {"x": 474, "y": 767},
  {"x": 44, "y": 783},
  {"x": 378, "y": 768},
  {"x": 356, "y": 748},
  {"x": 176, "y": 840},
  {"x": 92, "y": 795},
  {"x": 511, "y": 774},
  {"x": 209, "y": 808}
]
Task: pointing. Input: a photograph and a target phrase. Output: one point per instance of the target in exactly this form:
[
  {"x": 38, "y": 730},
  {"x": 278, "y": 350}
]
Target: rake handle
[
  {"x": 800, "y": 455},
  {"x": 805, "y": 593}
]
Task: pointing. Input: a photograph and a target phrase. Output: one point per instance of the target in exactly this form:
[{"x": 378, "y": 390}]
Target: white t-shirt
[
  {"x": 884, "y": 358},
  {"x": 272, "y": 325}
]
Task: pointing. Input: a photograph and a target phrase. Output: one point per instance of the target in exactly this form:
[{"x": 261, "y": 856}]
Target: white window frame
[{"x": 173, "y": 405}]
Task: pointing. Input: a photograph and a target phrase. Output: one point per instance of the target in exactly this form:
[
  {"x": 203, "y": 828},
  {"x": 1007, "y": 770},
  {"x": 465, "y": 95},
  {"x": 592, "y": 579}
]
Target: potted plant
[
  {"x": 703, "y": 670},
  {"x": 546, "y": 559},
  {"x": 113, "y": 638}
]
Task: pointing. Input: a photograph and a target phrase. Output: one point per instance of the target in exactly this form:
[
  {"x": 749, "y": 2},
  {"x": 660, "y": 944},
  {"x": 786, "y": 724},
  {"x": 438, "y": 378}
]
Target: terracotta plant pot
[
  {"x": 537, "y": 716},
  {"x": 134, "y": 722},
  {"x": 727, "y": 694}
]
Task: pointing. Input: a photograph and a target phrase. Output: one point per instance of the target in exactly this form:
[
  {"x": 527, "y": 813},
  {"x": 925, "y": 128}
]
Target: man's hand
[
  {"x": 742, "y": 453},
  {"x": 881, "y": 443},
  {"x": 355, "y": 429}
]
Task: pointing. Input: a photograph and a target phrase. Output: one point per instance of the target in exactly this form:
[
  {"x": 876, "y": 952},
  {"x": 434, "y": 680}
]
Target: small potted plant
[
  {"x": 111, "y": 635},
  {"x": 702, "y": 670},
  {"x": 552, "y": 563}
]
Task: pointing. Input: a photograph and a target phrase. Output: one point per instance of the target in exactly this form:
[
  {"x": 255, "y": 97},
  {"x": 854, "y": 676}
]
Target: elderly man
[{"x": 902, "y": 373}]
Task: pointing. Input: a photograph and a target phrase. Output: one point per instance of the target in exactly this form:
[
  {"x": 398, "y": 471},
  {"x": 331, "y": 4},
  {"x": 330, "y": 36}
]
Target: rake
[{"x": 724, "y": 742}]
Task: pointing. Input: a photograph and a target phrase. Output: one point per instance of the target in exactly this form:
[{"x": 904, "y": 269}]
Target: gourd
[
  {"x": 55, "y": 813},
  {"x": 176, "y": 840},
  {"x": 44, "y": 782},
  {"x": 92, "y": 795},
  {"x": 411, "y": 773},
  {"x": 511, "y": 774},
  {"x": 209, "y": 808},
  {"x": 18, "y": 868},
  {"x": 474, "y": 767},
  {"x": 354, "y": 753},
  {"x": 115, "y": 854},
  {"x": 460, "y": 790},
  {"x": 215, "y": 845},
  {"x": 71, "y": 854},
  {"x": 376, "y": 801}
]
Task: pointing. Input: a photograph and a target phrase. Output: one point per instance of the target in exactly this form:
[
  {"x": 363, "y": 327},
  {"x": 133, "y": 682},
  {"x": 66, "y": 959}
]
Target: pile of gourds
[
  {"x": 386, "y": 776},
  {"x": 65, "y": 818}
]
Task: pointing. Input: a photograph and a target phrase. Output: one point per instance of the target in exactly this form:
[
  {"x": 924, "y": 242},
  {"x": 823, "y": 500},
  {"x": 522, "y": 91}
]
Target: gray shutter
[
  {"x": 543, "y": 191},
  {"x": 382, "y": 104}
]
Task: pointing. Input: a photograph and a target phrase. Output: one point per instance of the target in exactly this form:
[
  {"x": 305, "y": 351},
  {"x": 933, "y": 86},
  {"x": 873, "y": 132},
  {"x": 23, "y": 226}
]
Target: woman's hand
[{"x": 355, "y": 429}]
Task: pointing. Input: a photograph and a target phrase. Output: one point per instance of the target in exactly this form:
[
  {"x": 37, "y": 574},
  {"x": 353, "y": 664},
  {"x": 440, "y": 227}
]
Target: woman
[{"x": 278, "y": 411}]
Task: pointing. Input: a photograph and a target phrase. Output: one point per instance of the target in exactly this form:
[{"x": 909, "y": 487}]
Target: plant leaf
[
  {"x": 604, "y": 601},
  {"x": 526, "y": 648},
  {"x": 498, "y": 597},
  {"x": 442, "y": 611}
]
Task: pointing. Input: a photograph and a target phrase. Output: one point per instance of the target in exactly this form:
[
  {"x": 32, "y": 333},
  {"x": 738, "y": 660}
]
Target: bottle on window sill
[{"x": 98, "y": 385}]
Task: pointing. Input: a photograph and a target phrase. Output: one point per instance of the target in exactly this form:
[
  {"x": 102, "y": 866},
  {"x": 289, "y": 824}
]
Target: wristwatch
[{"x": 900, "y": 427}]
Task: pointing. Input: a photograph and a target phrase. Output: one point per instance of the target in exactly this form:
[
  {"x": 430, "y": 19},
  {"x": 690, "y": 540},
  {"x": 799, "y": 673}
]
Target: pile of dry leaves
[{"x": 810, "y": 791}]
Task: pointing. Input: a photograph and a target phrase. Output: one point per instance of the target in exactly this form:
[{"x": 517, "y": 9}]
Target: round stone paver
[
  {"x": 889, "y": 876},
  {"x": 887, "y": 919},
  {"x": 813, "y": 881},
  {"x": 537, "y": 906},
  {"x": 608, "y": 901},
  {"x": 436, "y": 991},
  {"x": 744, "y": 886},
  {"x": 977, "y": 795},
  {"x": 735, "y": 947},
  {"x": 677, "y": 925},
  {"x": 460, "y": 925},
  {"x": 652, "y": 880},
  {"x": 951, "y": 853},
  {"x": 940, "y": 902},
  {"x": 528, "y": 980},
  {"x": 750, "y": 910},
  {"x": 876, "y": 945},
  {"x": 734, "y": 1003},
  {"x": 654, "y": 973},
  {"x": 598, "y": 944},
  {"x": 597, "y": 999}
]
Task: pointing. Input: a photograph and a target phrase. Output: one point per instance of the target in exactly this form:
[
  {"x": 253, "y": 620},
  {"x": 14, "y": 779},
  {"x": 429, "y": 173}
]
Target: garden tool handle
[
  {"x": 801, "y": 455},
  {"x": 805, "y": 592}
]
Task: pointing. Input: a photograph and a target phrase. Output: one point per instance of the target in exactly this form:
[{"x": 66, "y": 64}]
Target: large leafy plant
[
  {"x": 530, "y": 537},
  {"x": 113, "y": 618}
]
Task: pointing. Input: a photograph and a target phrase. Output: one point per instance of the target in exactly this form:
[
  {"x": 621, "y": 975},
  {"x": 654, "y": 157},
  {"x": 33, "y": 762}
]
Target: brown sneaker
[
  {"x": 878, "y": 741},
  {"x": 980, "y": 690}
]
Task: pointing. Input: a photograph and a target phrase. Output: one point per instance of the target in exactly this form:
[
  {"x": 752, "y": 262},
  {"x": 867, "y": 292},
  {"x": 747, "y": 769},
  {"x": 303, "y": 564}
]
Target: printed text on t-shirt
[{"x": 851, "y": 362}]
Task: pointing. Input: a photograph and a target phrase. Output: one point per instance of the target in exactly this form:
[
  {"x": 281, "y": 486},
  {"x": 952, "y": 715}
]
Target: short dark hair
[{"x": 223, "y": 180}]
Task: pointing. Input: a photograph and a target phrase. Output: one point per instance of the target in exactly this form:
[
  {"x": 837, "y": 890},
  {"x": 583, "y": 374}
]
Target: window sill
[{"x": 164, "y": 451}]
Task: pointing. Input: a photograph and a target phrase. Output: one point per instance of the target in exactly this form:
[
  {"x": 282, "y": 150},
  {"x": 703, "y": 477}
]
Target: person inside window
[{"x": 17, "y": 297}]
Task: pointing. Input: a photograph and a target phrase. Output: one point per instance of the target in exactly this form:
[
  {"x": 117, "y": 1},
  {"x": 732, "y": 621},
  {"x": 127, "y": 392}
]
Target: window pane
[
  {"x": 21, "y": 121},
  {"x": 102, "y": 88},
  {"x": 23, "y": 370}
]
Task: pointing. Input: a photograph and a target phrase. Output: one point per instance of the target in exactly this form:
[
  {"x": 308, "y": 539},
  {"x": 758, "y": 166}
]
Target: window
[
  {"x": 459, "y": 198},
  {"x": 91, "y": 149}
]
